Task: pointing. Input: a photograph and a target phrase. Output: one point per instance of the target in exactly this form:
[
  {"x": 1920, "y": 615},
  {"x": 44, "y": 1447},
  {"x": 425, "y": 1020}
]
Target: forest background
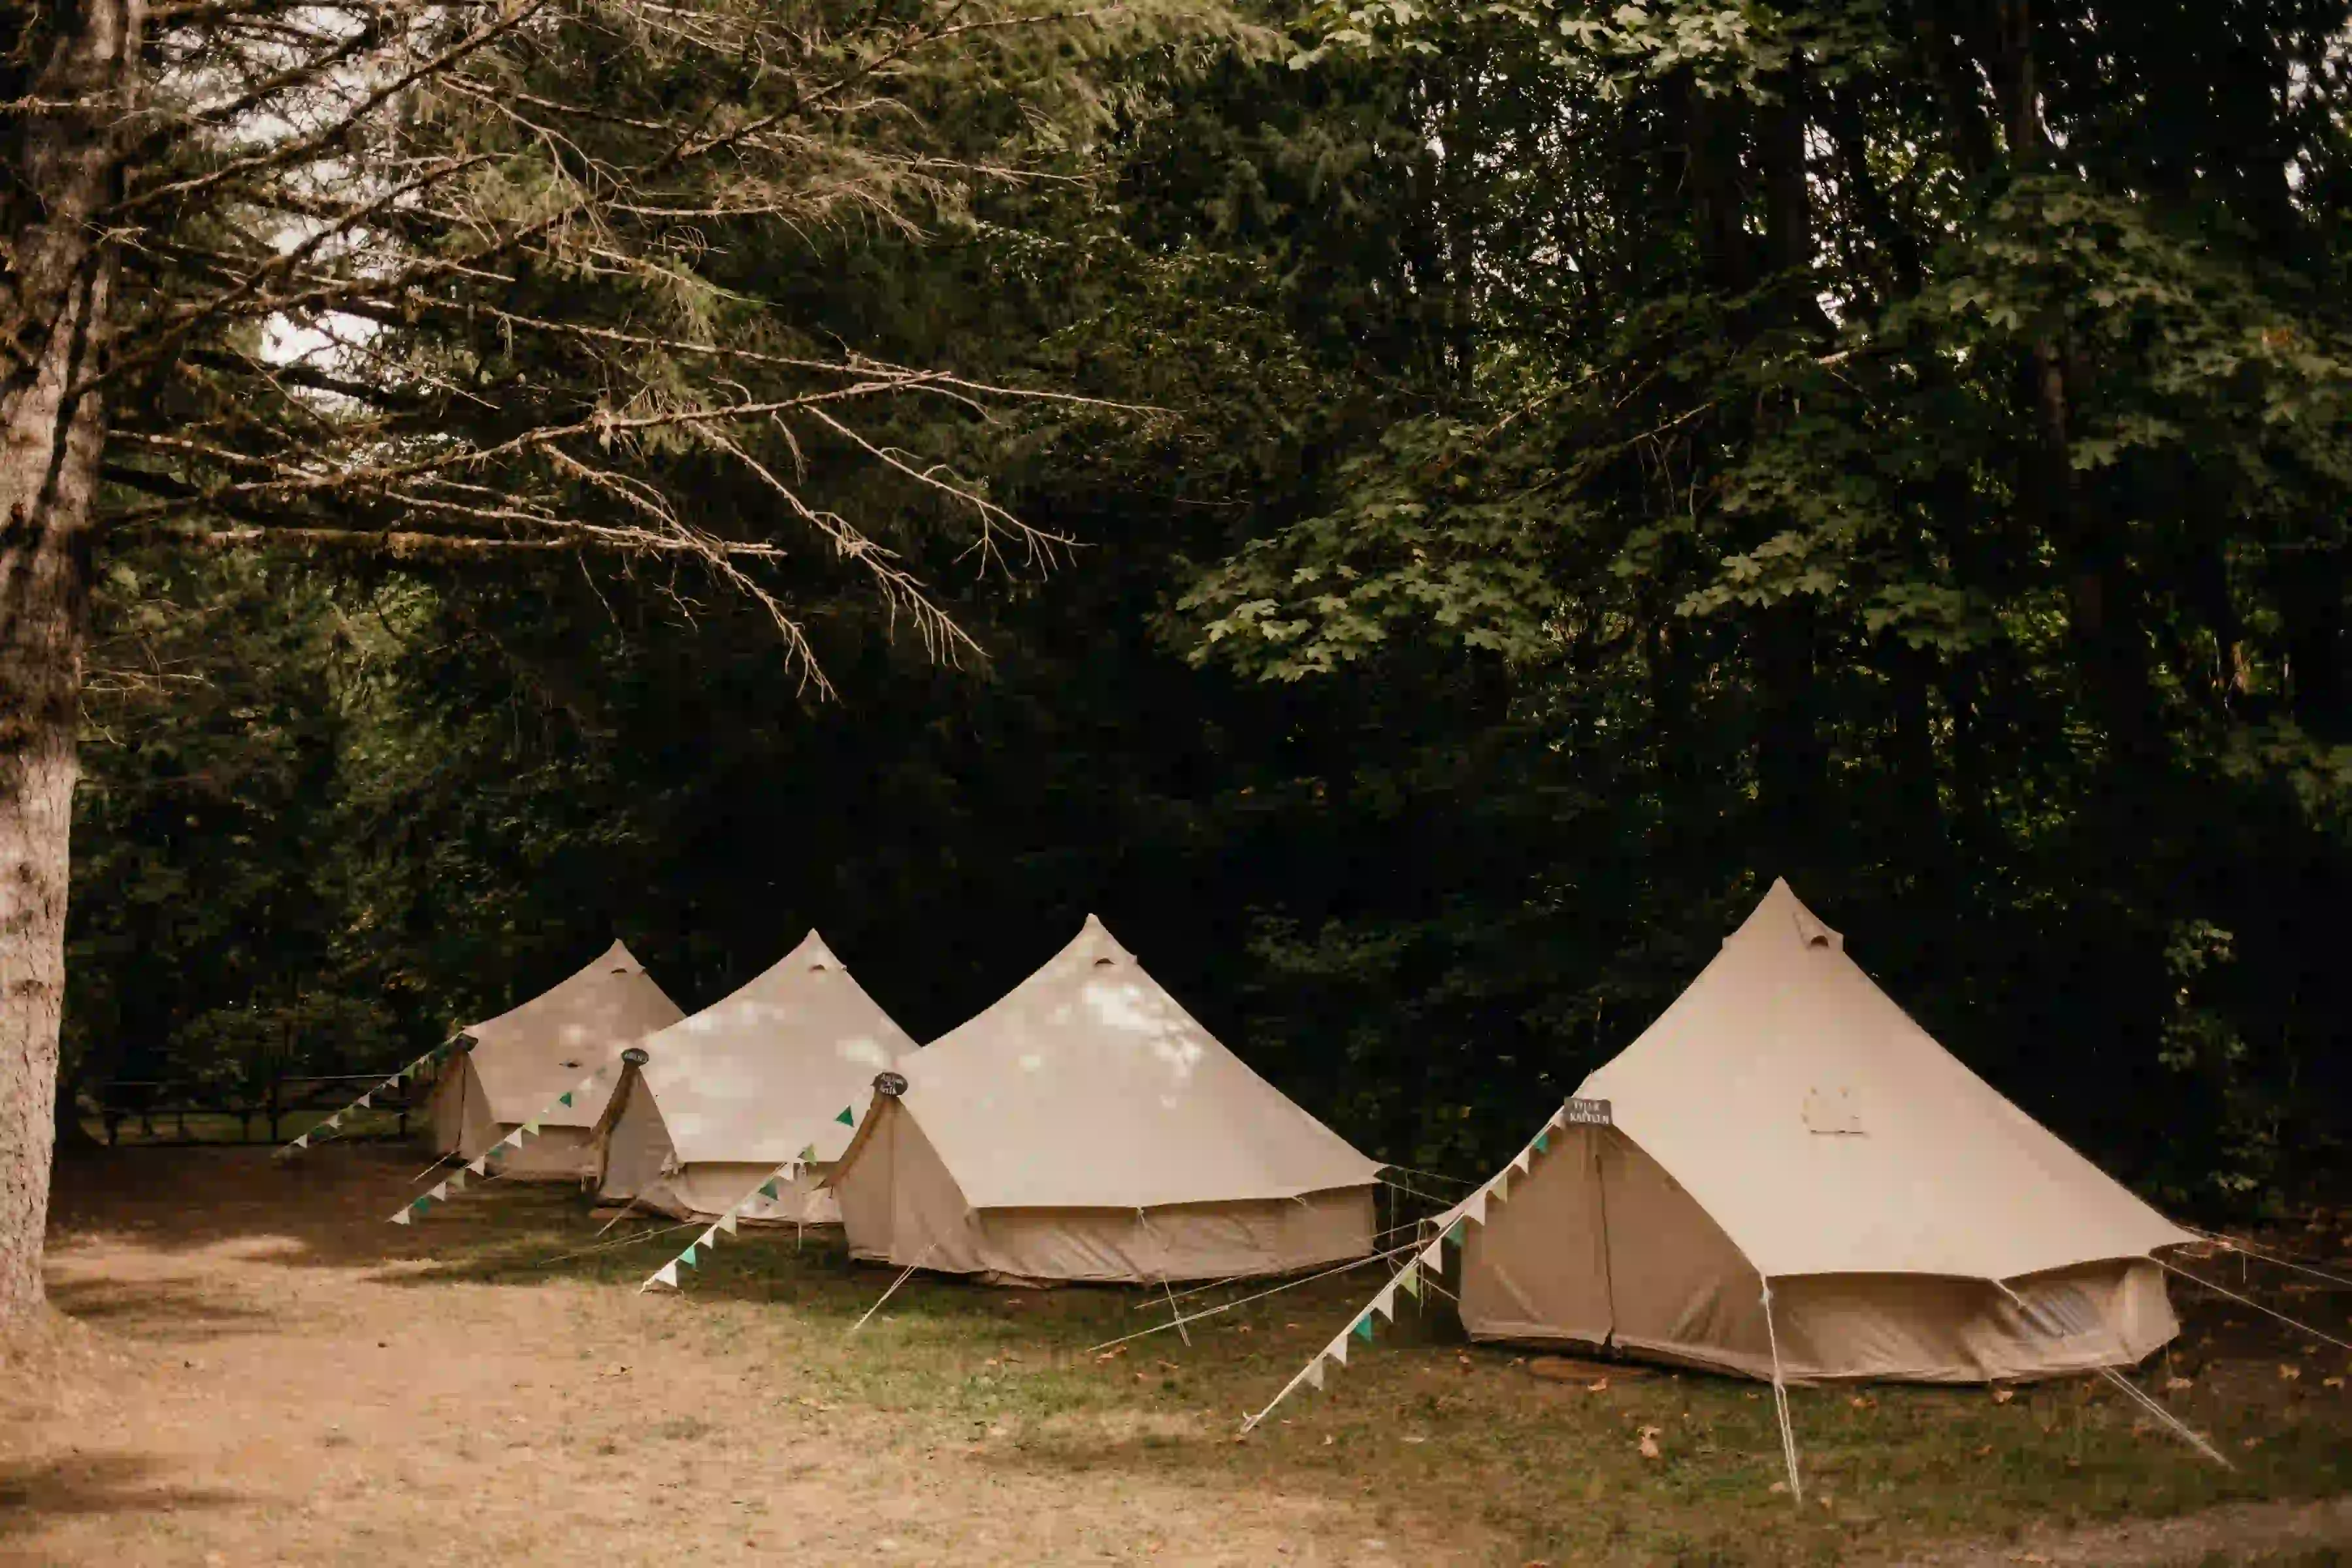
[{"x": 1561, "y": 467}]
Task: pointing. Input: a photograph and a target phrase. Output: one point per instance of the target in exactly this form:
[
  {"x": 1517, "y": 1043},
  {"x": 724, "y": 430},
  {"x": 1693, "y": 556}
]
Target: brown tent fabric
[
  {"x": 1785, "y": 1120},
  {"x": 522, "y": 1059},
  {"x": 1086, "y": 1128}
]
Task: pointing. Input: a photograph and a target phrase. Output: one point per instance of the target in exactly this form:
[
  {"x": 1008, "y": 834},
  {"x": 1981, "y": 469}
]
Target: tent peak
[
  {"x": 813, "y": 953},
  {"x": 1781, "y": 914}
]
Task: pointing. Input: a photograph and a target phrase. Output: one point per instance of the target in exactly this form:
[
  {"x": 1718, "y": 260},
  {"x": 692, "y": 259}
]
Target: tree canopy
[{"x": 1531, "y": 473}]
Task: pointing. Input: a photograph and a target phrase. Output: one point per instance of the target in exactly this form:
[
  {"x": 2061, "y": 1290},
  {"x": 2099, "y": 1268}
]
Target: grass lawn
[{"x": 1423, "y": 1428}]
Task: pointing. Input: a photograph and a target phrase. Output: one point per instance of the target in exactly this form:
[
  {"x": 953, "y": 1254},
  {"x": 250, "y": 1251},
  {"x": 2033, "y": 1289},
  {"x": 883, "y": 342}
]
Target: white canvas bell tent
[
  {"x": 747, "y": 1085},
  {"x": 1086, "y": 1128},
  {"x": 522, "y": 1060},
  {"x": 1785, "y": 1123}
]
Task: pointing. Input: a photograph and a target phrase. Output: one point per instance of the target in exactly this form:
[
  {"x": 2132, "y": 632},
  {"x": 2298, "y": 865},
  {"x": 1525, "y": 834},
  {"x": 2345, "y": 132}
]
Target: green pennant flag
[
  {"x": 1543, "y": 1143},
  {"x": 845, "y": 1119},
  {"x": 1454, "y": 1234},
  {"x": 563, "y": 1098},
  {"x": 808, "y": 1153},
  {"x": 1410, "y": 1281},
  {"x": 1363, "y": 1328},
  {"x": 768, "y": 1189},
  {"x": 421, "y": 1205},
  {"x": 687, "y": 1257}
]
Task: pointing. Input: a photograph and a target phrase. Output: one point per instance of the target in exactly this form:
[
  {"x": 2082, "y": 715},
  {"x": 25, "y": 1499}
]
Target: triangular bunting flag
[
  {"x": 456, "y": 1182},
  {"x": 687, "y": 1257},
  {"x": 441, "y": 1192},
  {"x": 1385, "y": 1303},
  {"x": 1454, "y": 1232},
  {"x": 481, "y": 1164},
  {"x": 806, "y": 1155},
  {"x": 1543, "y": 1142},
  {"x": 1410, "y": 1281},
  {"x": 421, "y": 1205},
  {"x": 1337, "y": 1350},
  {"x": 1475, "y": 1208},
  {"x": 529, "y": 1127},
  {"x": 303, "y": 1142},
  {"x": 1362, "y": 1328},
  {"x": 563, "y": 1098},
  {"x": 1501, "y": 1185},
  {"x": 1314, "y": 1372},
  {"x": 667, "y": 1275},
  {"x": 845, "y": 1119},
  {"x": 726, "y": 1223},
  {"x": 367, "y": 1100},
  {"x": 401, "y": 1218},
  {"x": 1519, "y": 1161},
  {"x": 768, "y": 1190}
]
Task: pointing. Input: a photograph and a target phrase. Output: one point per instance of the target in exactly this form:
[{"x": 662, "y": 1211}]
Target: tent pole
[{"x": 1781, "y": 1397}]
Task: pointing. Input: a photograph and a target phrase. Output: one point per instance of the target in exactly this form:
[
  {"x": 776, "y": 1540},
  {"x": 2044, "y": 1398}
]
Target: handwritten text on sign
[{"x": 1586, "y": 1113}]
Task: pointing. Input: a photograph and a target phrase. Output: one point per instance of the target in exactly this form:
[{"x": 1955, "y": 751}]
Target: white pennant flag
[
  {"x": 367, "y": 1100},
  {"x": 1501, "y": 1184},
  {"x": 1337, "y": 1349},
  {"x": 1475, "y": 1207},
  {"x": 1314, "y": 1372},
  {"x": 303, "y": 1142},
  {"x": 708, "y": 1238},
  {"x": 1385, "y": 1303},
  {"x": 480, "y": 1165},
  {"x": 403, "y": 1218},
  {"x": 726, "y": 1223},
  {"x": 1521, "y": 1161},
  {"x": 1433, "y": 1257},
  {"x": 667, "y": 1275},
  {"x": 442, "y": 1192}
]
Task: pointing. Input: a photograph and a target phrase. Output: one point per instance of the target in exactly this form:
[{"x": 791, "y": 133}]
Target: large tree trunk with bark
[{"x": 53, "y": 323}]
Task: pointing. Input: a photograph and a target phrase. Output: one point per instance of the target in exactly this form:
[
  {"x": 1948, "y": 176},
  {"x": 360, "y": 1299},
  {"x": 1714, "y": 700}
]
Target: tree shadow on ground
[
  {"x": 151, "y": 1308},
  {"x": 35, "y": 1492},
  {"x": 333, "y": 1204}
]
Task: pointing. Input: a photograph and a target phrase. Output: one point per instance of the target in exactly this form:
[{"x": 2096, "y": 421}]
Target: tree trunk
[{"x": 53, "y": 324}]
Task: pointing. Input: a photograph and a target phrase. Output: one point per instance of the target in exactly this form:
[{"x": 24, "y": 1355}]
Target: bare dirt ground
[{"x": 257, "y": 1369}]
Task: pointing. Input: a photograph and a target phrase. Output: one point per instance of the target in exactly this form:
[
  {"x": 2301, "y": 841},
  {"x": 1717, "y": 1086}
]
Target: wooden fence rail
[{"x": 238, "y": 1113}]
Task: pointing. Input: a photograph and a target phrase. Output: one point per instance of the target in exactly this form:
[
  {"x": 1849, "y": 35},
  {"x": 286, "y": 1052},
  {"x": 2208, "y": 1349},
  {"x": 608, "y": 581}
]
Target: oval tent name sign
[
  {"x": 889, "y": 1083},
  {"x": 1586, "y": 1113}
]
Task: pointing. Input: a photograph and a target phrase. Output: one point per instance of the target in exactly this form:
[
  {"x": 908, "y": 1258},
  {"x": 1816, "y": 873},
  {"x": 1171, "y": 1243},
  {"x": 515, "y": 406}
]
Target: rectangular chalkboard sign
[{"x": 1586, "y": 1113}]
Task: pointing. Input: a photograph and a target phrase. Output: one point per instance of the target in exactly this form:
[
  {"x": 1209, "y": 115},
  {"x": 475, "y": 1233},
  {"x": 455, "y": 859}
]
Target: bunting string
[
  {"x": 2249, "y": 1249},
  {"x": 486, "y": 1165},
  {"x": 770, "y": 1188},
  {"x": 1428, "y": 1263},
  {"x": 1353, "y": 1263},
  {"x": 334, "y": 1124}
]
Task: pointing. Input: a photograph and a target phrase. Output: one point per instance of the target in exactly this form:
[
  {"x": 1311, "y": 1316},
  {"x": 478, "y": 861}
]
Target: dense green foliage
[{"x": 1583, "y": 461}]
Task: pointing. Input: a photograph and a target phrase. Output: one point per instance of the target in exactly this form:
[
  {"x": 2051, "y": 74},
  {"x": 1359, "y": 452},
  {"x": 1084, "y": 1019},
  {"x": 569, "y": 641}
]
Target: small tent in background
[
  {"x": 519, "y": 1062},
  {"x": 744, "y": 1086},
  {"x": 1086, "y": 1128}
]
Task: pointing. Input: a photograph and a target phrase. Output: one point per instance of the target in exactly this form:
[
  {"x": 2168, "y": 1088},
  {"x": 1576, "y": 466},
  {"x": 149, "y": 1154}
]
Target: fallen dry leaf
[
  {"x": 2004, "y": 1395},
  {"x": 1864, "y": 1402},
  {"x": 1650, "y": 1450},
  {"x": 2331, "y": 1382},
  {"x": 1599, "y": 1387},
  {"x": 2289, "y": 1373},
  {"x": 2175, "y": 1384}
]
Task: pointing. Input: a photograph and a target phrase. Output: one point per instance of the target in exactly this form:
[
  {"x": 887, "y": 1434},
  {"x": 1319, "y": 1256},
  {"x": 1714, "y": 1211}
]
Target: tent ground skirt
[{"x": 1599, "y": 1245}]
